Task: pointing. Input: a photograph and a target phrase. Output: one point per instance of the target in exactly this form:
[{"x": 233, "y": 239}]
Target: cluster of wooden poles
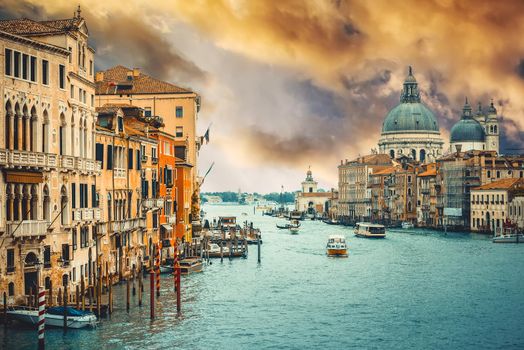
[{"x": 95, "y": 291}]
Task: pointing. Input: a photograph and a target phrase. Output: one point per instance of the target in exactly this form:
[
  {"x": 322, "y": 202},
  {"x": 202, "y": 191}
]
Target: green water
[{"x": 415, "y": 289}]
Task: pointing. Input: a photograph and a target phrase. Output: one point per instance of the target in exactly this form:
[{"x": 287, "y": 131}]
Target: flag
[{"x": 206, "y": 135}]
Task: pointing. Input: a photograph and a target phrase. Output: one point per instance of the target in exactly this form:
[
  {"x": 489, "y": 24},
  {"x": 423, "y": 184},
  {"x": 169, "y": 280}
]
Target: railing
[
  {"x": 119, "y": 172},
  {"x": 128, "y": 224},
  {"x": 83, "y": 165},
  {"x": 28, "y": 228},
  {"x": 171, "y": 219},
  {"x": 144, "y": 158},
  {"x": 101, "y": 228},
  {"x": 17, "y": 158},
  {"x": 154, "y": 160},
  {"x": 150, "y": 203},
  {"x": 86, "y": 214}
]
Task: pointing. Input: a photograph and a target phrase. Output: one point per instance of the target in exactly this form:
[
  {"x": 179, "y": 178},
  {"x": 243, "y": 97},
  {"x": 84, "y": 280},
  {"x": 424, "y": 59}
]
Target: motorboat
[
  {"x": 407, "y": 225},
  {"x": 54, "y": 316},
  {"x": 294, "y": 230},
  {"x": 291, "y": 224},
  {"x": 190, "y": 265},
  {"x": 508, "y": 234},
  {"x": 166, "y": 269},
  {"x": 369, "y": 230},
  {"x": 336, "y": 246}
]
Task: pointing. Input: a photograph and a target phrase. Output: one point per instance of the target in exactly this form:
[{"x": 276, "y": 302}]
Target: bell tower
[{"x": 492, "y": 129}]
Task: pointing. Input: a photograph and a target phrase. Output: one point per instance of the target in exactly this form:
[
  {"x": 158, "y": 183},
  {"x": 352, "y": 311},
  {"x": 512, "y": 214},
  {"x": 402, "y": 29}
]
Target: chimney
[
  {"x": 99, "y": 76},
  {"x": 136, "y": 72}
]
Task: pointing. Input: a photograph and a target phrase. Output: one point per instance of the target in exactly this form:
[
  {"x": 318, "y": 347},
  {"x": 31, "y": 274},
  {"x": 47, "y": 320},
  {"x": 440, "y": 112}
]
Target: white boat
[
  {"x": 336, "y": 246},
  {"x": 369, "y": 230},
  {"x": 166, "y": 269},
  {"x": 54, "y": 317},
  {"x": 508, "y": 235},
  {"x": 407, "y": 225},
  {"x": 190, "y": 265},
  {"x": 294, "y": 230}
]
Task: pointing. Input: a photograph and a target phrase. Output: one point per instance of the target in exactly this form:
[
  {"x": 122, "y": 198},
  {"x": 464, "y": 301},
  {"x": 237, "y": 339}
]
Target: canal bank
[{"x": 415, "y": 289}]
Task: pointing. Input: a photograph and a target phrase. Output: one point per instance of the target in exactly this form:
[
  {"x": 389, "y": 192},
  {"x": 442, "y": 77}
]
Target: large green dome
[
  {"x": 410, "y": 115},
  {"x": 467, "y": 129},
  {"x": 413, "y": 117}
]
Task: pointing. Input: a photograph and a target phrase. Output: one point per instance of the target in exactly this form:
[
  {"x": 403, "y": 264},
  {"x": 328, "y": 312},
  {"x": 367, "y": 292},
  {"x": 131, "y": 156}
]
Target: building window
[
  {"x": 167, "y": 148},
  {"x": 498, "y": 174},
  {"x": 147, "y": 112},
  {"x": 10, "y": 260},
  {"x": 489, "y": 174},
  {"x": 109, "y": 157},
  {"x": 25, "y": 66},
  {"x": 179, "y": 111},
  {"x": 120, "y": 124},
  {"x": 409, "y": 179},
  {"x": 72, "y": 92},
  {"x": 90, "y": 67},
  {"x": 74, "y": 238},
  {"x": 130, "y": 158},
  {"x": 61, "y": 76},
  {"x": 92, "y": 100},
  {"x": 179, "y": 131},
  {"x": 99, "y": 153},
  {"x": 155, "y": 220},
  {"x": 8, "y": 61},
  {"x": 11, "y": 289},
  {"x": 17, "y": 64},
  {"x": 32, "y": 71},
  {"x": 47, "y": 256},
  {"x": 45, "y": 72}
]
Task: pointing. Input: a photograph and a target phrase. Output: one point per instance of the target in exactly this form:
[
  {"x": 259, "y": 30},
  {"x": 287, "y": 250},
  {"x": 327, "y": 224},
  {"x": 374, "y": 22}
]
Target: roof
[
  {"x": 504, "y": 184},
  {"x": 139, "y": 84},
  {"x": 315, "y": 194},
  {"x": 431, "y": 170},
  {"x": 386, "y": 171},
  {"x": 26, "y": 26}
]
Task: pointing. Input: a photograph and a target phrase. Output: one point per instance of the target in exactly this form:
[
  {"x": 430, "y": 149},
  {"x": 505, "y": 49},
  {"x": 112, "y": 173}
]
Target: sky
[{"x": 290, "y": 84}]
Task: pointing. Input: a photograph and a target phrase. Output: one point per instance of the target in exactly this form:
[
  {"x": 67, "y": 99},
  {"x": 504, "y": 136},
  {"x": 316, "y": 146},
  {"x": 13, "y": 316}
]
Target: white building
[
  {"x": 309, "y": 200},
  {"x": 410, "y": 128}
]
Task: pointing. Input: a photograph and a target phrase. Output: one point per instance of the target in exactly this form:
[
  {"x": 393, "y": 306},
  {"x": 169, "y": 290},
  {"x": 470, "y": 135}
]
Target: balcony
[
  {"x": 84, "y": 165},
  {"x": 171, "y": 219},
  {"x": 144, "y": 158},
  {"x": 18, "y": 159},
  {"x": 86, "y": 214},
  {"x": 119, "y": 172},
  {"x": 154, "y": 160},
  {"x": 28, "y": 228},
  {"x": 128, "y": 224},
  {"x": 152, "y": 203},
  {"x": 101, "y": 228}
]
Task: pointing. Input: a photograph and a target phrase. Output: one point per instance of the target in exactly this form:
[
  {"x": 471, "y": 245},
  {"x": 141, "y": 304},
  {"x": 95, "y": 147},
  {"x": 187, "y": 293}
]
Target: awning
[{"x": 167, "y": 228}]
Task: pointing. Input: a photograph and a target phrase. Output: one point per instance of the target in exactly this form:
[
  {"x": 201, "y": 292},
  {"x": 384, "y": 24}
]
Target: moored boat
[
  {"x": 407, "y": 225},
  {"x": 508, "y": 234},
  {"x": 336, "y": 246},
  {"x": 369, "y": 230},
  {"x": 190, "y": 265},
  {"x": 54, "y": 316}
]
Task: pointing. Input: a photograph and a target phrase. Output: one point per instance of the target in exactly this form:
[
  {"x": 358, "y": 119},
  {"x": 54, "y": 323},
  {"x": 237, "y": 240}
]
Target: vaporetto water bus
[
  {"x": 336, "y": 246},
  {"x": 369, "y": 230}
]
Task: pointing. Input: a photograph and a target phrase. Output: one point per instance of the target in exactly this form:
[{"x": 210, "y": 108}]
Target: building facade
[
  {"x": 47, "y": 155},
  {"x": 309, "y": 200}
]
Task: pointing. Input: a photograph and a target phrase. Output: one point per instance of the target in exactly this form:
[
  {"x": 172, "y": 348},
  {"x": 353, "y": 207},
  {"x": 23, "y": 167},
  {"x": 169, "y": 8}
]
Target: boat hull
[
  {"x": 337, "y": 252},
  {"x": 367, "y": 235},
  {"x": 509, "y": 239},
  {"x": 191, "y": 267},
  {"x": 31, "y": 317}
]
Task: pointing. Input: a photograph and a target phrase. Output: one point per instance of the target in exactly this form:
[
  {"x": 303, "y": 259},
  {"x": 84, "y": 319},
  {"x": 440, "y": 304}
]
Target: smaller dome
[{"x": 467, "y": 129}]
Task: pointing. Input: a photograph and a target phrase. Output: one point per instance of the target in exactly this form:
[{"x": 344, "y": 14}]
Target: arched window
[
  {"x": 62, "y": 134},
  {"x": 45, "y": 132},
  {"x": 65, "y": 279},
  {"x": 47, "y": 204},
  {"x": 109, "y": 209},
  {"x": 498, "y": 174},
  {"x": 25, "y": 122},
  {"x": 11, "y": 289},
  {"x": 392, "y": 153},
  {"x": 16, "y": 126},
  {"x": 8, "y": 202},
  {"x": 33, "y": 127},
  {"x": 63, "y": 206},
  {"x": 34, "y": 203},
  {"x": 489, "y": 174},
  {"x": 72, "y": 133},
  {"x": 409, "y": 192},
  {"x": 414, "y": 154},
  {"x": 422, "y": 157},
  {"x": 8, "y": 118},
  {"x": 495, "y": 129},
  {"x": 409, "y": 207},
  {"x": 47, "y": 283}
]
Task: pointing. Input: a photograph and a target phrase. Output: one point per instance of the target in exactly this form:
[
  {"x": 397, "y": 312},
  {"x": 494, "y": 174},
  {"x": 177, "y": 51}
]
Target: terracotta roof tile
[
  {"x": 503, "y": 184},
  {"x": 25, "y": 26},
  {"x": 386, "y": 171},
  {"x": 115, "y": 82}
]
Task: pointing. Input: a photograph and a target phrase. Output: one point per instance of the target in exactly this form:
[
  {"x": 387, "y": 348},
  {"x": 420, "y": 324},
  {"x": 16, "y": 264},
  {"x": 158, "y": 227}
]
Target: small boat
[
  {"x": 244, "y": 214},
  {"x": 407, "y": 225},
  {"x": 283, "y": 227},
  {"x": 369, "y": 230},
  {"x": 294, "y": 230},
  {"x": 336, "y": 246},
  {"x": 330, "y": 221},
  {"x": 190, "y": 265},
  {"x": 54, "y": 316},
  {"x": 166, "y": 269},
  {"x": 508, "y": 234}
]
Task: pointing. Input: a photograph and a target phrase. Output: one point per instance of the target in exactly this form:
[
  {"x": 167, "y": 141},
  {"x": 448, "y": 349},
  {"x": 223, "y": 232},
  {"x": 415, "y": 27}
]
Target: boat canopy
[{"x": 59, "y": 310}]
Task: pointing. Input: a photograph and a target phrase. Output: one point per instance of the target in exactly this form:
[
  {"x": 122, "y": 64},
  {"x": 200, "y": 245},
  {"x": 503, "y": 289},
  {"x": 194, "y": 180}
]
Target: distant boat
[
  {"x": 407, "y": 225},
  {"x": 54, "y": 316},
  {"x": 508, "y": 234},
  {"x": 291, "y": 224},
  {"x": 294, "y": 230},
  {"x": 190, "y": 265},
  {"x": 336, "y": 246},
  {"x": 369, "y": 230},
  {"x": 330, "y": 222},
  {"x": 166, "y": 269}
]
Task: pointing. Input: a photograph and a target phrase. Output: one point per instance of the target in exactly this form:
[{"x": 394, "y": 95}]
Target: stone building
[
  {"x": 177, "y": 106},
  {"x": 491, "y": 203},
  {"x": 411, "y": 129},
  {"x": 475, "y": 132},
  {"x": 354, "y": 201},
  {"x": 427, "y": 214},
  {"x": 47, "y": 155},
  {"x": 380, "y": 211},
  {"x": 309, "y": 200}
]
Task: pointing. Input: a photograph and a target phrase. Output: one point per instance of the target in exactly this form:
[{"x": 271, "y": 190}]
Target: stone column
[
  {"x": 11, "y": 208},
  {"x": 9, "y": 138},
  {"x": 20, "y": 131}
]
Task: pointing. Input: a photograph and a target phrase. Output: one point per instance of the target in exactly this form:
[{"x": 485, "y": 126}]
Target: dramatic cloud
[{"x": 295, "y": 83}]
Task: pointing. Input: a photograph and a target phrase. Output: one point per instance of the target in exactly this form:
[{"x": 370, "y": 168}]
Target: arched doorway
[
  {"x": 63, "y": 206},
  {"x": 488, "y": 221},
  {"x": 30, "y": 273}
]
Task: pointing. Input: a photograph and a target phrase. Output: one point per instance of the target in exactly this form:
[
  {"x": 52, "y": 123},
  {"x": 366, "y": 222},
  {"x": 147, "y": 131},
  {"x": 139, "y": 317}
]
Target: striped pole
[
  {"x": 157, "y": 267},
  {"x": 41, "y": 318}
]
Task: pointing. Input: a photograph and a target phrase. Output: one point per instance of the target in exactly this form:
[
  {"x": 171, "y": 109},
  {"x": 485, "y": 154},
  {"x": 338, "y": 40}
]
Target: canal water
[{"x": 416, "y": 289}]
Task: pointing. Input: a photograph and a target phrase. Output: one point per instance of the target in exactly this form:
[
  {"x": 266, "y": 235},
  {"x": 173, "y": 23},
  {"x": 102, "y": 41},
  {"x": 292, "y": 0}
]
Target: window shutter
[
  {"x": 73, "y": 195},
  {"x": 138, "y": 159},
  {"x": 130, "y": 158},
  {"x": 109, "y": 157}
]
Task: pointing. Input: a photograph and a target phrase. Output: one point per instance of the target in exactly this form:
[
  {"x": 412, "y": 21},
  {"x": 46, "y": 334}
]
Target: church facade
[{"x": 411, "y": 129}]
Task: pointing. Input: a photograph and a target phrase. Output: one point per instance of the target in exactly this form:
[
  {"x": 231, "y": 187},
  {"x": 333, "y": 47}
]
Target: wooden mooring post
[
  {"x": 83, "y": 292},
  {"x": 110, "y": 306},
  {"x": 152, "y": 294},
  {"x": 127, "y": 294},
  {"x": 258, "y": 245}
]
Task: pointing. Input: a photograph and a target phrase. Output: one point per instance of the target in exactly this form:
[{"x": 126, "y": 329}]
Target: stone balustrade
[
  {"x": 15, "y": 158},
  {"x": 28, "y": 228}
]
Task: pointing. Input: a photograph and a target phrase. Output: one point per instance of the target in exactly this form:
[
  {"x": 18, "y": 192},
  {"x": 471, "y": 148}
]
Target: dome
[
  {"x": 414, "y": 117},
  {"x": 467, "y": 129},
  {"x": 411, "y": 114}
]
